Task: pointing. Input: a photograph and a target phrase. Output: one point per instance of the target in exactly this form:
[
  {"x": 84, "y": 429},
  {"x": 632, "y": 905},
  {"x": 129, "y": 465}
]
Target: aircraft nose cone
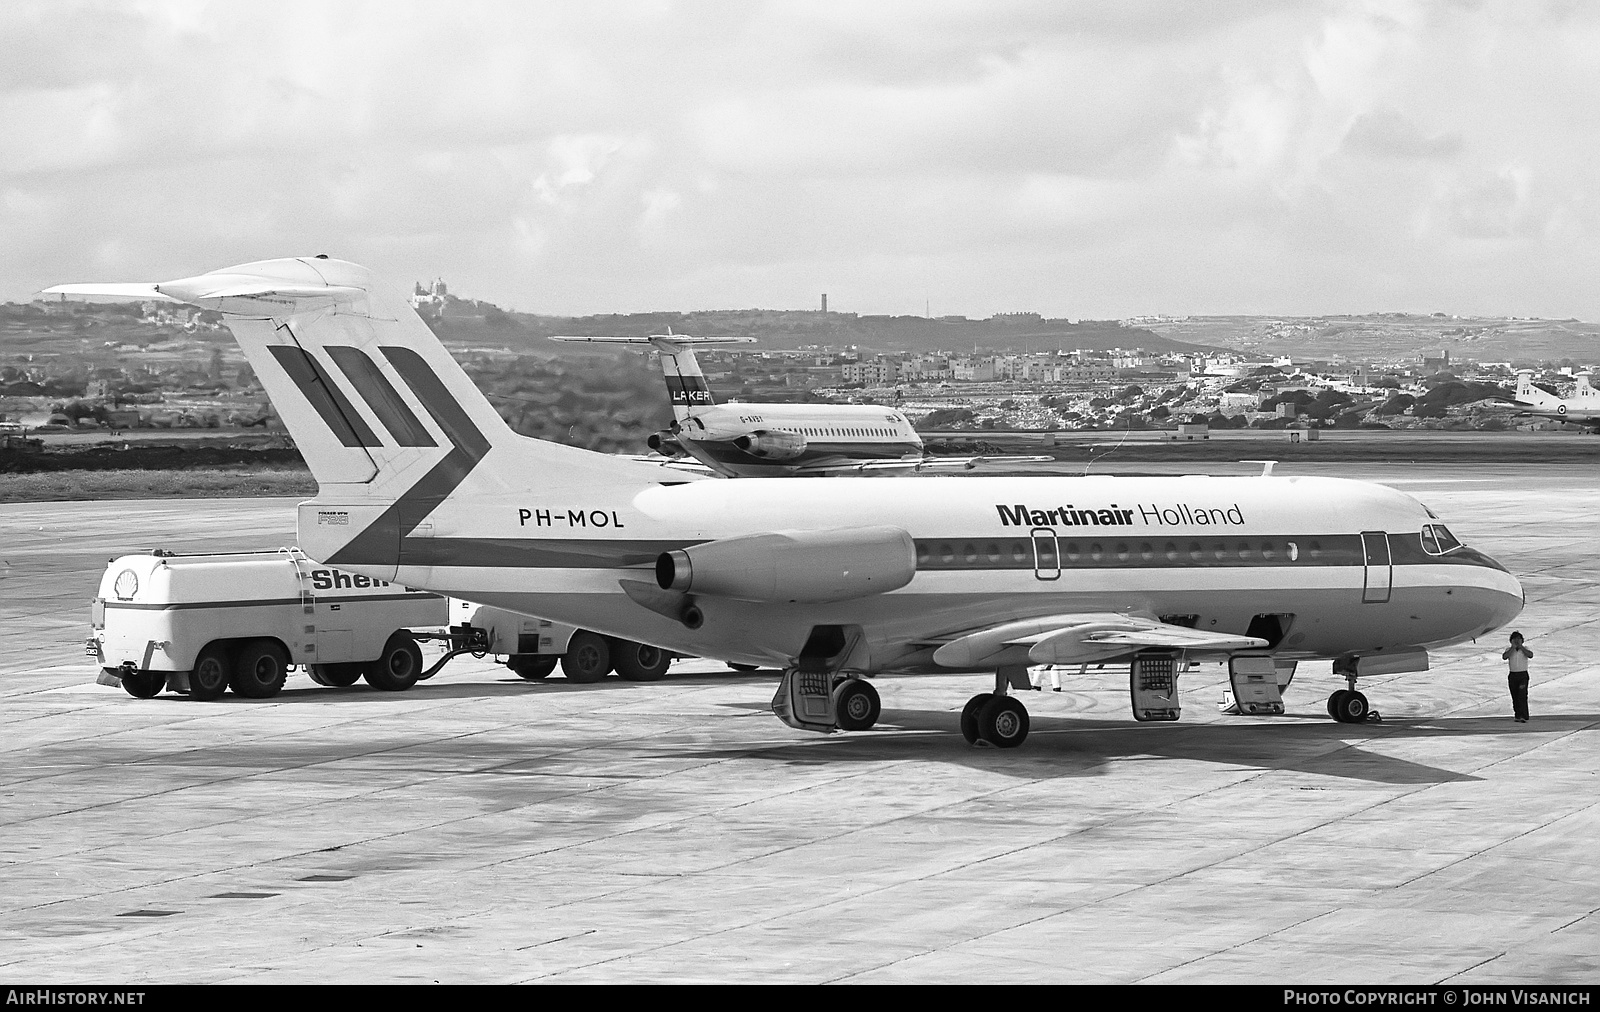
[{"x": 1509, "y": 598}]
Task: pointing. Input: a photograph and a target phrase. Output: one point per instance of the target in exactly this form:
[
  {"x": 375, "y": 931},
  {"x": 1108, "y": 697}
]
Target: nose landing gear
[{"x": 1348, "y": 706}]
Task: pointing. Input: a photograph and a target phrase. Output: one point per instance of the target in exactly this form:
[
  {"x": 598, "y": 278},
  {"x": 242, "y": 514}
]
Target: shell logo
[{"x": 127, "y": 585}]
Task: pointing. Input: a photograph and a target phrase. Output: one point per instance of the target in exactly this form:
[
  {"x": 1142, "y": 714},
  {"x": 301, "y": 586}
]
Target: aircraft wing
[
  {"x": 668, "y": 341},
  {"x": 917, "y": 464},
  {"x": 686, "y": 464},
  {"x": 1082, "y": 638}
]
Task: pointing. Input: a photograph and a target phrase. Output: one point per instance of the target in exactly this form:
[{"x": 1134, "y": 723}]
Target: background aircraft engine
[
  {"x": 769, "y": 445},
  {"x": 666, "y": 443},
  {"x": 808, "y": 566}
]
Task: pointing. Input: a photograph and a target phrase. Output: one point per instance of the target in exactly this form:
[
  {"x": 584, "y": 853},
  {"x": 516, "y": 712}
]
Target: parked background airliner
[
  {"x": 746, "y": 440},
  {"x": 1582, "y": 408},
  {"x": 421, "y": 482}
]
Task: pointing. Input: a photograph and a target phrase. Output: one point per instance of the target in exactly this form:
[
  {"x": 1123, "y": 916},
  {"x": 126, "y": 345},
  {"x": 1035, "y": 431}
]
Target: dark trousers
[{"x": 1517, "y": 682}]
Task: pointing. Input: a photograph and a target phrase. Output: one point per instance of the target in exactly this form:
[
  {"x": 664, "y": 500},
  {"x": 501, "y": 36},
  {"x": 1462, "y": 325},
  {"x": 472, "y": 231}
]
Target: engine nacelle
[
  {"x": 770, "y": 445},
  {"x": 666, "y": 443},
  {"x": 803, "y": 566}
]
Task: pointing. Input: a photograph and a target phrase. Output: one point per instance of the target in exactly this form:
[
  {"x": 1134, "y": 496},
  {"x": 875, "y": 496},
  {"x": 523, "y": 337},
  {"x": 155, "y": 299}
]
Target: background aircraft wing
[
  {"x": 919, "y": 464},
  {"x": 653, "y": 339},
  {"x": 1084, "y": 637}
]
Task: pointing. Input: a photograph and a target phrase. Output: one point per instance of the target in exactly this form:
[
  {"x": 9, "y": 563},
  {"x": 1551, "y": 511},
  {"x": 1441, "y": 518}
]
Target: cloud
[
  {"x": 1078, "y": 159},
  {"x": 1385, "y": 133}
]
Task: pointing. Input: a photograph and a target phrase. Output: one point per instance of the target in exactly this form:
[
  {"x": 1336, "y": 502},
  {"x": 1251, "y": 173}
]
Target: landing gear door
[
  {"x": 1379, "y": 567},
  {"x": 1153, "y": 685},
  {"x": 1255, "y": 685}
]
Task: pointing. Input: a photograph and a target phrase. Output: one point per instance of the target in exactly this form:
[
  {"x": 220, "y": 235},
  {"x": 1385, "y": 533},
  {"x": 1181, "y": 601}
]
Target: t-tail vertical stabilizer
[
  {"x": 686, "y": 384},
  {"x": 388, "y": 422}
]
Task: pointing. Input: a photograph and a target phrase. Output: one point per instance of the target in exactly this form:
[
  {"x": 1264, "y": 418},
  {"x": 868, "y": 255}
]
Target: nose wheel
[{"x": 1348, "y": 706}]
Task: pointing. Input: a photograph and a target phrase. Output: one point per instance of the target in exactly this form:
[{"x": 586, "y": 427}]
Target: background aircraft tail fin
[{"x": 686, "y": 384}]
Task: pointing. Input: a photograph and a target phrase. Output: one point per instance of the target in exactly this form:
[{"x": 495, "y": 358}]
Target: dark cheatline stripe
[
  {"x": 430, "y": 390},
  {"x": 968, "y": 555},
  {"x": 381, "y": 396},
  {"x": 337, "y": 412},
  {"x": 385, "y": 542}
]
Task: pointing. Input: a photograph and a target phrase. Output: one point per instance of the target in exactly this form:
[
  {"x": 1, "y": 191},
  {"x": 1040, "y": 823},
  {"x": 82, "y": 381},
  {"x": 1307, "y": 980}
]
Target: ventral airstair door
[{"x": 1379, "y": 567}]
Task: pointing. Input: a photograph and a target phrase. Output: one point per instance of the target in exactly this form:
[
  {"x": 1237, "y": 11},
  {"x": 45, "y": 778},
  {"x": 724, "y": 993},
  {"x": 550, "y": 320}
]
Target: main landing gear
[
  {"x": 1348, "y": 706},
  {"x": 825, "y": 701},
  {"x": 997, "y": 718}
]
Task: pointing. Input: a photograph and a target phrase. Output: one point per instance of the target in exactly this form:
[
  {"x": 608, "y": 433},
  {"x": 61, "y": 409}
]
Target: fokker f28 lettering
[
  {"x": 743, "y": 440},
  {"x": 832, "y": 581}
]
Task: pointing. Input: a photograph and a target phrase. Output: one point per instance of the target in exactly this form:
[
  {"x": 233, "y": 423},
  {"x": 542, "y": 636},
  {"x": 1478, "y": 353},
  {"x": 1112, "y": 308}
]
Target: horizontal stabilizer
[{"x": 111, "y": 292}]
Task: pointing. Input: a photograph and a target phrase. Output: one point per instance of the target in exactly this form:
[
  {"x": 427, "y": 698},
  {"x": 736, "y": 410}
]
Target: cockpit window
[{"x": 1437, "y": 539}]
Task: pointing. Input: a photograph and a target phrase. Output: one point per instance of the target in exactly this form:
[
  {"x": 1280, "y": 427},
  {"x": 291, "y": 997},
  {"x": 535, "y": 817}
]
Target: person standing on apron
[{"x": 1517, "y": 657}]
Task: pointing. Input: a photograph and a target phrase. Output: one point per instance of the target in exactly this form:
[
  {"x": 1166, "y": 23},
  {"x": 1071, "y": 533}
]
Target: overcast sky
[{"x": 1093, "y": 159}]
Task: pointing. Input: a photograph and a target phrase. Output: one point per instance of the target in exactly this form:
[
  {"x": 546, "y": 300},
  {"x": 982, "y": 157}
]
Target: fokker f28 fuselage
[{"x": 420, "y": 482}]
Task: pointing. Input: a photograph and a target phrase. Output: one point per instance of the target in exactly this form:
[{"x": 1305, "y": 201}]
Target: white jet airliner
[
  {"x": 421, "y": 482},
  {"x": 741, "y": 440},
  {"x": 1582, "y": 408}
]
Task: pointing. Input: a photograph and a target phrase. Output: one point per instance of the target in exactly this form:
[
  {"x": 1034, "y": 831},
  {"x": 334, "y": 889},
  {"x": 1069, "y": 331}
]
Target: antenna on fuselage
[{"x": 1266, "y": 466}]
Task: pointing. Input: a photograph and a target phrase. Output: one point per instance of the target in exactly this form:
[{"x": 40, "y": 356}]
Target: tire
[
  {"x": 533, "y": 667},
  {"x": 1334, "y": 700},
  {"x": 143, "y": 684},
  {"x": 856, "y": 705},
  {"x": 1003, "y": 722},
  {"x": 336, "y": 676},
  {"x": 212, "y": 669},
  {"x": 588, "y": 658},
  {"x": 399, "y": 666},
  {"x": 1353, "y": 708},
  {"x": 640, "y": 662},
  {"x": 969, "y": 716},
  {"x": 259, "y": 669}
]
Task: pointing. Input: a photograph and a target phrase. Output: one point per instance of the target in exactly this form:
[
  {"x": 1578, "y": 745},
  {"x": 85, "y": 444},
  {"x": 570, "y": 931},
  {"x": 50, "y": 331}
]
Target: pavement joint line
[
  {"x": 1575, "y": 920},
  {"x": 1468, "y": 969},
  {"x": 1236, "y": 945}
]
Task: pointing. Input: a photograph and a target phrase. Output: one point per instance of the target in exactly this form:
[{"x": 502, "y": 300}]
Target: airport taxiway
[{"x": 484, "y": 829}]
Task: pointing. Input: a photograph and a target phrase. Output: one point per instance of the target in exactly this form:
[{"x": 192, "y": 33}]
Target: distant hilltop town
[{"x": 68, "y": 364}]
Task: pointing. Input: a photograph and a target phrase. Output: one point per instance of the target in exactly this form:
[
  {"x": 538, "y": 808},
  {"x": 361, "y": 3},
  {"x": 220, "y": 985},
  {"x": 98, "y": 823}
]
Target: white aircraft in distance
[
  {"x": 742, "y": 440},
  {"x": 420, "y": 482},
  {"x": 1582, "y": 408}
]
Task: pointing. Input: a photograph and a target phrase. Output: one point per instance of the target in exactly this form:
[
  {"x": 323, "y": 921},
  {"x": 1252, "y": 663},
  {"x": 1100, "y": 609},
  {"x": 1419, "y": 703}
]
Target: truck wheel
[
  {"x": 640, "y": 662},
  {"x": 533, "y": 667},
  {"x": 143, "y": 684},
  {"x": 588, "y": 658},
  {"x": 260, "y": 669},
  {"x": 399, "y": 667},
  {"x": 209, "y": 679},
  {"x": 335, "y": 675}
]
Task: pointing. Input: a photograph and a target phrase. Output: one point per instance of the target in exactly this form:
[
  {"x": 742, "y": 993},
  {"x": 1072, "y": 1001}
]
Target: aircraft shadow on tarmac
[{"x": 1083, "y": 747}]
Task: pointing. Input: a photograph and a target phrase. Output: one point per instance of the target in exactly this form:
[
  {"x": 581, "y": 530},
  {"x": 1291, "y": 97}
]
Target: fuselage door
[
  {"x": 1046, "y": 556},
  {"x": 1379, "y": 567}
]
